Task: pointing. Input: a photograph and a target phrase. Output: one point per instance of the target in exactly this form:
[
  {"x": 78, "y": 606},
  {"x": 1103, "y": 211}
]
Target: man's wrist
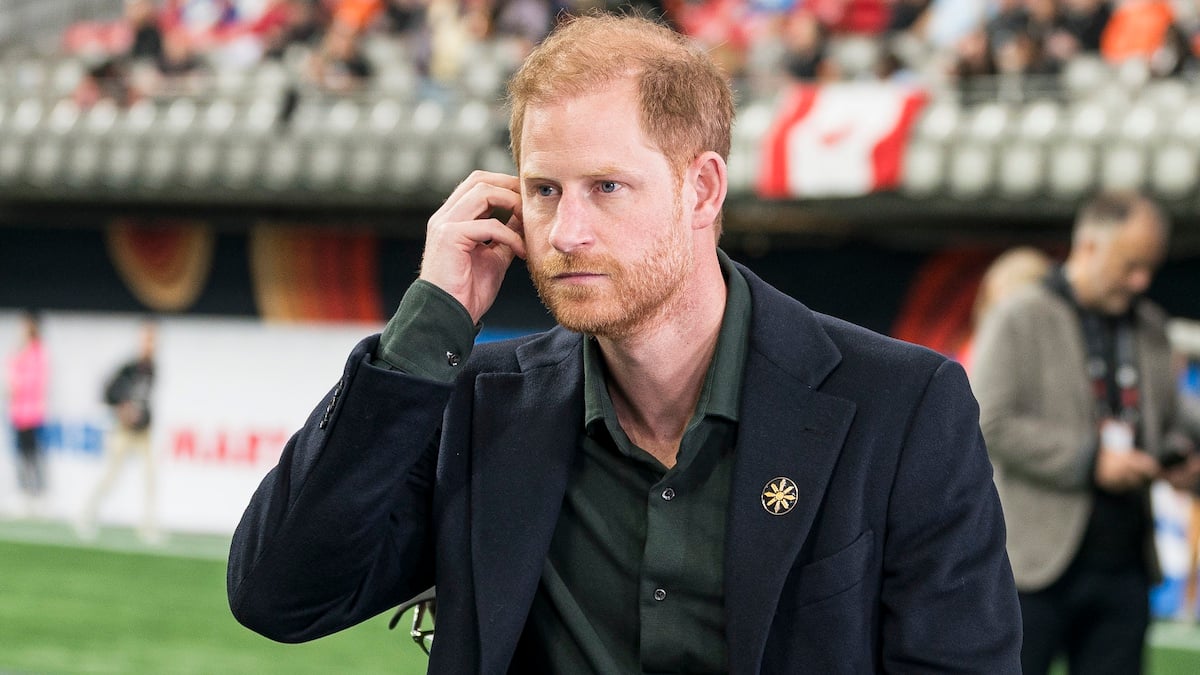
[{"x": 430, "y": 335}]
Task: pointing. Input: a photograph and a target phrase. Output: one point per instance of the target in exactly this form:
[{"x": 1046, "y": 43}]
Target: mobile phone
[{"x": 1173, "y": 459}]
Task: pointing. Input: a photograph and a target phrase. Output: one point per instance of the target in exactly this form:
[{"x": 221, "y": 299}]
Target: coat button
[
  {"x": 452, "y": 359},
  {"x": 660, "y": 594},
  {"x": 668, "y": 494}
]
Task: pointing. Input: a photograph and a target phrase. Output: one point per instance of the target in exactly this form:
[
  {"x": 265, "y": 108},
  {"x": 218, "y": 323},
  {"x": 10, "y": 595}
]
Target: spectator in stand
[
  {"x": 158, "y": 61},
  {"x": 853, "y": 17},
  {"x": 294, "y": 22},
  {"x": 28, "y": 382},
  {"x": 804, "y": 44},
  {"x": 339, "y": 64},
  {"x": 972, "y": 58},
  {"x": 142, "y": 19},
  {"x": 104, "y": 79},
  {"x": 1081, "y": 24},
  {"x": 455, "y": 25},
  {"x": 356, "y": 14},
  {"x": 1010, "y": 16},
  {"x": 405, "y": 17},
  {"x": 906, "y": 14},
  {"x": 1137, "y": 29},
  {"x": 178, "y": 57},
  {"x": 1077, "y": 31},
  {"x": 1016, "y": 35},
  {"x": 523, "y": 22},
  {"x": 1019, "y": 53},
  {"x": 946, "y": 23},
  {"x": 723, "y": 27},
  {"x": 408, "y": 21},
  {"x": 1041, "y": 19},
  {"x": 208, "y": 24},
  {"x": 477, "y": 18}
]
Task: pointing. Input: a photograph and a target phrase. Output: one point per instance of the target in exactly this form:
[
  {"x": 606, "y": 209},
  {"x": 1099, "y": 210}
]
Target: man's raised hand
[{"x": 468, "y": 247}]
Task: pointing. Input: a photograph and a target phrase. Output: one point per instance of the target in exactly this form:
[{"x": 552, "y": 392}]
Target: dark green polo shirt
[{"x": 634, "y": 580}]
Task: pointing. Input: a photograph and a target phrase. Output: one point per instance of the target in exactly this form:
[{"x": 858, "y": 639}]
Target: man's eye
[
  {"x": 545, "y": 190},
  {"x": 609, "y": 186}
]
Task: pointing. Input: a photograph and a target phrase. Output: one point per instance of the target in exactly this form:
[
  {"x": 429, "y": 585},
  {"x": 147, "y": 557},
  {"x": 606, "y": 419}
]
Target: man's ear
[{"x": 711, "y": 183}]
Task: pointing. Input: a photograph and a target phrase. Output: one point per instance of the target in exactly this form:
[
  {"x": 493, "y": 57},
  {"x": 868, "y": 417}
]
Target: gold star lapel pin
[{"x": 779, "y": 496}]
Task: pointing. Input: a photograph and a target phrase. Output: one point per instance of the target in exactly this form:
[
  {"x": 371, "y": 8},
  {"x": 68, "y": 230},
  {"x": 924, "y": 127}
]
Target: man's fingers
[
  {"x": 1146, "y": 465},
  {"x": 482, "y": 195},
  {"x": 472, "y": 239},
  {"x": 478, "y": 177},
  {"x": 506, "y": 237},
  {"x": 467, "y": 236}
]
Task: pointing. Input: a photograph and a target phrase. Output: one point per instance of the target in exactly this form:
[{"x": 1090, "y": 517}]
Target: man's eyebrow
[
  {"x": 601, "y": 172},
  {"x": 528, "y": 179},
  {"x": 609, "y": 171}
]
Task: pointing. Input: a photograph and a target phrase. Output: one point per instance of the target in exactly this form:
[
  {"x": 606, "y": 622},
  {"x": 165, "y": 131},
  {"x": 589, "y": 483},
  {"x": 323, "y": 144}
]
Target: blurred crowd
[
  {"x": 941, "y": 42},
  {"x": 171, "y": 45}
]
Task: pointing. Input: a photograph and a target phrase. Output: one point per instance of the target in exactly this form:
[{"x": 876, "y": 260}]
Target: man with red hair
[{"x": 691, "y": 473}]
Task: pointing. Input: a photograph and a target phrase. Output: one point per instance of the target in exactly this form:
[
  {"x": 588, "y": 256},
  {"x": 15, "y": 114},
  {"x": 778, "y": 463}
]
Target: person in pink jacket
[{"x": 28, "y": 379}]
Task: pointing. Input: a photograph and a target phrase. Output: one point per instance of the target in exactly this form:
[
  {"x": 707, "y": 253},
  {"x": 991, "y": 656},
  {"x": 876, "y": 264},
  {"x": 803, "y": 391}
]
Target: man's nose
[{"x": 570, "y": 230}]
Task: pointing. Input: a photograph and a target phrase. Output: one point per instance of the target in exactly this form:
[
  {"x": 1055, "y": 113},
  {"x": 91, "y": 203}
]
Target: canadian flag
[{"x": 838, "y": 140}]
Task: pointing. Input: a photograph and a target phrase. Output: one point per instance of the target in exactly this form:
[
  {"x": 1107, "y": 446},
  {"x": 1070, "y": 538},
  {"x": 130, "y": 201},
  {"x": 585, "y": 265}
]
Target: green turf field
[{"x": 118, "y": 606}]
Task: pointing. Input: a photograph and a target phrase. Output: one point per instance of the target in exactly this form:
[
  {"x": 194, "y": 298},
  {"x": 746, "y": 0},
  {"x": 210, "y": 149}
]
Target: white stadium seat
[
  {"x": 1173, "y": 172},
  {"x": 1022, "y": 170},
  {"x": 924, "y": 168},
  {"x": 971, "y": 169},
  {"x": 1072, "y": 169},
  {"x": 1123, "y": 167}
]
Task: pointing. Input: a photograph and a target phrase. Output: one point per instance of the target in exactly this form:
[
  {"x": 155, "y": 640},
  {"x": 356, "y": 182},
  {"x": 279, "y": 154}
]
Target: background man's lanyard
[{"x": 1127, "y": 404}]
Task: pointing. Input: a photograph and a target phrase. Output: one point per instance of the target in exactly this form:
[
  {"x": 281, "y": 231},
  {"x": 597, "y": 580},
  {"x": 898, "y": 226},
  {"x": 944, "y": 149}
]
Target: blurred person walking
[
  {"x": 28, "y": 382},
  {"x": 1077, "y": 395},
  {"x": 128, "y": 393}
]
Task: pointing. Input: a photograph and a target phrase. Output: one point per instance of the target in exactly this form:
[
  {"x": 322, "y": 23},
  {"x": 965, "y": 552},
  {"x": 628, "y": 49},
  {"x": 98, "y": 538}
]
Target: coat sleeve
[
  {"x": 339, "y": 530},
  {"x": 1045, "y": 448},
  {"x": 948, "y": 596}
]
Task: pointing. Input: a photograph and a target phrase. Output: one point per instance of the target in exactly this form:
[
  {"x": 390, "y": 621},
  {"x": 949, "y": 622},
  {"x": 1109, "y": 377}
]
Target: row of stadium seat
[
  {"x": 1067, "y": 169},
  {"x": 425, "y": 147},
  {"x": 133, "y": 166},
  {"x": 308, "y": 115},
  {"x": 1171, "y": 112},
  {"x": 1171, "y": 116}
]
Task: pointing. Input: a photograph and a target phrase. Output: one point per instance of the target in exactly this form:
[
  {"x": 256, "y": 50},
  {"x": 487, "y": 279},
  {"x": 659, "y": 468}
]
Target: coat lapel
[
  {"x": 524, "y": 434},
  {"x": 788, "y": 429},
  {"x": 1152, "y": 353}
]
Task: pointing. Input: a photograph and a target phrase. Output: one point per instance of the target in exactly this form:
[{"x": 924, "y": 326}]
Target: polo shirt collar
[{"x": 722, "y": 390}]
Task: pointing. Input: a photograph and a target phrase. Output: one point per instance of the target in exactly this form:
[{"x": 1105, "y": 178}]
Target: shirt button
[
  {"x": 668, "y": 494},
  {"x": 660, "y": 594},
  {"x": 452, "y": 358}
]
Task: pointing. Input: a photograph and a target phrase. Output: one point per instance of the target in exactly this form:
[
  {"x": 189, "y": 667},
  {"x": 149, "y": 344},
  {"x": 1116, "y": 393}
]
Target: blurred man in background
[
  {"x": 1077, "y": 395},
  {"x": 28, "y": 381},
  {"x": 128, "y": 392}
]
